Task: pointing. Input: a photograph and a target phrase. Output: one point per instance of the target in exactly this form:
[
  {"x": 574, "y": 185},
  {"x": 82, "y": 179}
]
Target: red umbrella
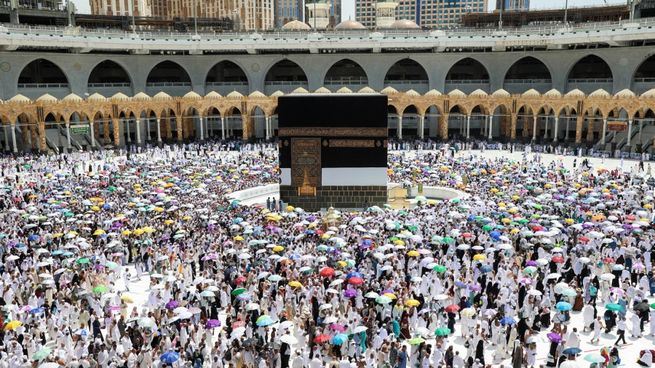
[
  {"x": 583, "y": 239},
  {"x": 320, "y": 339},
  {"x": 240, "y": 280},
  {"x": 453, "y": 308},
  {"x": 238, "y": 324},
  {"x": 558, "y": 259},
  {"x": 326, "y": 272},
  {"x": 467, "y": 235},
  {"x": 355, "y": 281},
  {"x": 608, "y": 260}
]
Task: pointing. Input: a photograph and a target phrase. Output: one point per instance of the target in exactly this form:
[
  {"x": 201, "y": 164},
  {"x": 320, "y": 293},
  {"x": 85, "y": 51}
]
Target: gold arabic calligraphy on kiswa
[{"x": 305, "y": 159}]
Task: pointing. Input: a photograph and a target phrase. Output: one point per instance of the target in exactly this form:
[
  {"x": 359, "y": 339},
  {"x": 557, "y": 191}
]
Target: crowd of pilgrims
[{"x": 141, "y": 259}]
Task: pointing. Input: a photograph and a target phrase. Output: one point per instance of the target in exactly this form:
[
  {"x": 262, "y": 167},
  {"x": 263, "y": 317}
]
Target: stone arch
[
  {"x": 169, "y": 123},
  {"x": 214, "y": 121},
  {"x": 590, "y": 73},
  {"x": 233, "y": 122},
  {"x": 257, "y": 115},
  {"x": 643, "y": 77},
  {"x": 227, "y": 76},
  {"x": 42, "y": 71},
  {"x": 167, "y": 72},
  {"x": 526, "y": 73},
  {"x": 501, "y": 121},
  {"x": 407, "y": 74},
  {"x": 191, "y": 123},
  {"x": 109, "y": 74},
  {"x": 524, "y": 121},
  {"x": 467, "y": 75},
  {"x": 346, "y": 72},
  {"x": 285, "y": 75},
  {"x": 432, "y": 115},
  {"x": 457, "y": 121},
  {"x": 410, "y": 121}
]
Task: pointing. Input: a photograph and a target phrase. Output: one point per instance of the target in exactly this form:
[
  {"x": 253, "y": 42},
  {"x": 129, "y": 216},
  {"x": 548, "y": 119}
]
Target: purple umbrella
[
  {"x": 475, "y": 287},
  {"x": 554, "y": 337},
  {"x": 531, "y": 263},
  {"x": 213, "y": 323},
  {"x": 350, "y": 293},
  {"x": 172, "y": 304}
]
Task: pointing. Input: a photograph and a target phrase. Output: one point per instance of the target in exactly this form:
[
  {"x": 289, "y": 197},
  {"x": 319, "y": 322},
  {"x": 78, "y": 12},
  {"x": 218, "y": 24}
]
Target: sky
[{"x": 348, "y": 9}]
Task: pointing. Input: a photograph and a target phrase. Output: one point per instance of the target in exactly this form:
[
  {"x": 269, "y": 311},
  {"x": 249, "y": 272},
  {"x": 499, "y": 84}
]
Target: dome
[
  {"x": 322, "y": 90},
  {"x": 456, "y": 93},
  {"x": 599, "y": 93},
  {"x": 388, "y": 90},
  {"x": 553, "y": 93},
  {"x": 501, "y": 93},
  {"x": 295, "y": 25},
  {"x": 120, "y": 96},
  {"x": 257, "y": 94},
  {"x": 345, "y": 90},
  {"x": 192, "y": 94},
  {"x": 73, "y": 97},
  {"x": 97, "y": 97},
  {"x": 648, "y": 94},
  {"x": 574, "y": 93},
  {"x": 411, "y": 92},
  {"x": 300, "y": 90},
  {"x": 479, "y": 93},
  {"x": 161, "y": 96},
  {"x": 624, "y": 93},
  {"x": 433, "y": 92},
  {"x": 234, "y": 94},
  {"x": 366, "y": 90},
  {"x": 277, "y": 93},
  {"x": 349, "y": 24},
  {"x": 47, "y": 98},
  {"x": 141, "y": 96},
  {"x": 19, "y": 98},
  {"x": 404, "y": 24},
  {"x": 531, "y": 93},
  {"x": 213, "y": 94}
]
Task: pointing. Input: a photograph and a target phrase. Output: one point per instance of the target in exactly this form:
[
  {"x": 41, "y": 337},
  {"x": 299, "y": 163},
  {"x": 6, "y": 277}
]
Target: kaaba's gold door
[{"x": 306, "y": 162}]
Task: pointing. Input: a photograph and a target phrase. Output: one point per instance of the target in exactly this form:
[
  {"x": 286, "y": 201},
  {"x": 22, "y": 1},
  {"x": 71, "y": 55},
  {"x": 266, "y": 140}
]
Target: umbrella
[
  {"x": 359, "y": 329},
  {"x": 339, "y": 339},
  {"x": 288, "y": 339},
  {"x": 453, "y": 308},
  {"x": 614, "y": 307},
  {"x": 238, "y": 291},
  {"x": 563, "y": 306},
  {"x": 594, "y": 358},
  {"x": 169, "y": 357},
  {"x": 172, "y": 304},
  {"x": 383, "y": 300},
  {"x": 326, "y": 272},
  {"x": 13, "y": 325},
  {"x": 320, "y": 339},
  {"x": 213, "y": 323},
  {"x": 252, "y": 306},
  {"x": 416, "y": 341},
  {"x": 355, "y": 281},
  {"x": 442, "y": 331},
  {"x": 264, "y": 320},
  {"x": 412, "y": 303},
  {"x": 41, "y": 354},
  {"x": 507, "y": 321},
  {"x": 554, "y": 337},
  {"x": 295, "y": 284},
  {"x": 571, "y": 351},
  {"x": 146, "y": 322},
  {"x": 50, "y": 365}
]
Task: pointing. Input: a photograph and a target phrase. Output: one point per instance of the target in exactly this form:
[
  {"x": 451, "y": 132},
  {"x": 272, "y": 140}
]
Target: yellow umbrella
[
  {"x": 138, "y": 232},
  {"x": 413, "y": 253},
  {"x": 148, "y": 230},
  {"x": 186, "y": 218},
  {"x": 342, "y": 264},
  {"x": 98, "y": 232},
  {"x": 159, "y": 209},
  {"x": 569, "y": 221},
  {"x": 127, "y": 298},
  {"x": 290, "y": 208},
  {"x": 238, "y": 238},
  {"x": 13, "y": 325},
  {"x": 506, "y": 221},
  {"x": 295, "y": 284},
  {"x": 479, "y": 257},
  {"x": 168, "y": 222},
  {"x": 398, "y": 242},
  {"x": 57, "y": 235},
  {"x": 390, "y": 295},
  {"x": 95, "y": 208},
  {"x": 648, "y": 206},
  {"x": 278, "y": 248},
  {"x": 412, "y": 303},
  {"x": 126, "y": 232}
]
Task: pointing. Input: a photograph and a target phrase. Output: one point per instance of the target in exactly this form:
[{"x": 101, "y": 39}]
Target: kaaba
[{"x": 333, "y": 150}]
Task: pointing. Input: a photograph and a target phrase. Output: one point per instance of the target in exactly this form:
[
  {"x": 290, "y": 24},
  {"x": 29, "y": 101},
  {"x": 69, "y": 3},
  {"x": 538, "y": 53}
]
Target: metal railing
[
  {"x": 286, "y": 83},
  {"x": 168, "y": 84},
  {"x": 590, "y": 80},
  {"x": 42, "y": 85},
  {"x": 467, "y": 81},
  {"x": 528, "y": 81},
  {"x": 346, "y": 80},
  {"x": 108, "y": 85},
  {"x": 406, "y": 82},
  {"x": 235, "y": 83}
]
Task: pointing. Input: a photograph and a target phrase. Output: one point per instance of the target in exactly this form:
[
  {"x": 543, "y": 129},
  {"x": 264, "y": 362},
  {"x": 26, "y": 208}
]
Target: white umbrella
[
  {"x": 288, "y": 339},
  {"x": 252, "y": 306},
  {"x": 325, "y": 306},
  {"x": 359, "y": 329},
  {"x": 607, "y": 277},
  {"x": 286, "y": 324}
]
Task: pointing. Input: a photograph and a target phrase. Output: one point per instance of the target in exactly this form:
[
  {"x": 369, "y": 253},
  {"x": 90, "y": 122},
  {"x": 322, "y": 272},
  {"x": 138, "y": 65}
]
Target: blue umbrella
[
  {"x": 33, "y": 237},
  {"x": 37, "y": 310},
  {"x": 507, "y": 321},
  {"x": 339, "y": 339},
  {"x": 354, "y": 274},
  {"x": 169, "y": 357},
  {"x": 57, "y": 252},
  {"x": 485, "y": 268},
  {"x": 563, "y": 306},
  {"x": 571, "y": 351}
]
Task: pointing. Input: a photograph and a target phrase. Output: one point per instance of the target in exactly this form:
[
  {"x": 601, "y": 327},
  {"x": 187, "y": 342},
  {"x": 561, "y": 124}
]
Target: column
[
  {"x": 534, "y": 128},
  {"x": 578, "y": 128},
  {"x": 117, "y": 132},
  {"x": 590, "y": 129},
  {"x": 556, "y": 131},
  {"x": 400, "y": 126},
  {"x": 490, "y": 127},
  {"x": 546, "y": 127},
  {"x": 222, "y": 127},
  {"x": 202, "y": 130},
  {"x": 468, "y": 126},
  {"x": 641, "y": 127},
  {"x": 443, "y": 126},
  {"x": 602, "y": 136},
  {"x": 267, "y": 122},
  {"x": 568, "y": 120},
  {"x": 138, "y": 131},
  {"x": 7, "y": 144},
  {"x": 68, "y": 135},
  {"x": 629, "y": 132},
  {"x": 147, "y": 130},
  {"x": 512, "y": 126},
  {"x": 158, "y": 130},
  {"x": 421, "y": 122},
  {"x": 93, "y": 134},
  {"x": 127, "y": 129},
  {"x": 13, "y": 137},
  {"x": 42, "y": 142}
]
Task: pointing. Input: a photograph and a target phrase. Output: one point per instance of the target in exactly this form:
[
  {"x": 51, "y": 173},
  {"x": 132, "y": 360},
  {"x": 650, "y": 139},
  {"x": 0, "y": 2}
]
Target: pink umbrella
[{"x": 338, "y": 327}]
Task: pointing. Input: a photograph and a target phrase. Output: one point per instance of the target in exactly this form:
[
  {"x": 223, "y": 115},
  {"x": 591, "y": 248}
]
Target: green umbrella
[
  {"x": 652, "y": 305},
  {"x": 100, "y": 289},
  {"x": 442, "y": 331},
  {"x": 594, "y": 358},
  {"x": 383, "y": 300},
  {"x": 448, "y": 240},
  {"x": 111, "y": 188},
  {"x": 614, "y": 307},
  {"x": 83, "y": 261},
  {"x": 487, "y": 227},
  {"x": 275, "y": 278},
  {"x": 416, "y": 341},
  {"x": 238, "y": 291},
  {"x": 41, "y": 354},
  {"x": 111, "y": 265},
  {"x": 439, "y": 269}
]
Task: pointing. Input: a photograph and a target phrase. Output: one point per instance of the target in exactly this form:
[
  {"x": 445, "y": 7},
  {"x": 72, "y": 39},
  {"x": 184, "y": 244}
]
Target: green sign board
[{"x": 79, "y": 129}]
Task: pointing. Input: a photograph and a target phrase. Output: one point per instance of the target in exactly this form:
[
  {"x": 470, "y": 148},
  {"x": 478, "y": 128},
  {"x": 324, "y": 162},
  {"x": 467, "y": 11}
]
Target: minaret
[
  {"x": 318, "y": 13},
  {"x": 385, "y": 13}
]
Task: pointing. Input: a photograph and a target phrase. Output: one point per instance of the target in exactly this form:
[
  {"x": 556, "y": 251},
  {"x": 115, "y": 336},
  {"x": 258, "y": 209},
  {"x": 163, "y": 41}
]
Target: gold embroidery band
[
  {"x": 352, "y": 143},
  {"x": 332, "y": 132}
]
